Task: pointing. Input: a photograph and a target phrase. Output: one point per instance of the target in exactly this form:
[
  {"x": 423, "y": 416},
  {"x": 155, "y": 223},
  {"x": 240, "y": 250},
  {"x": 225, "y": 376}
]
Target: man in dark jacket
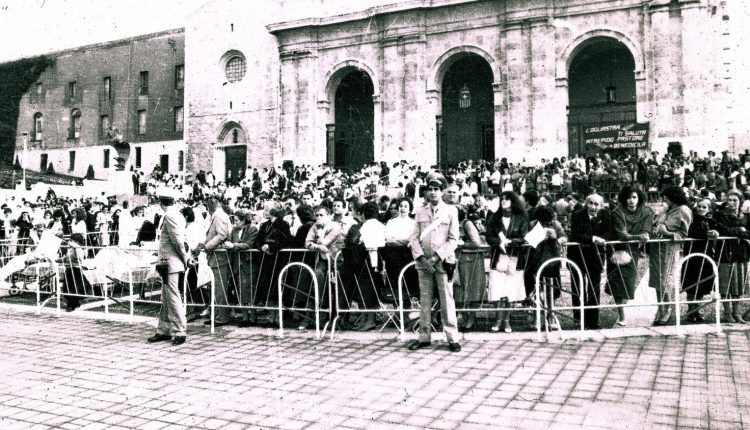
[{"x": 588, "y": 227}]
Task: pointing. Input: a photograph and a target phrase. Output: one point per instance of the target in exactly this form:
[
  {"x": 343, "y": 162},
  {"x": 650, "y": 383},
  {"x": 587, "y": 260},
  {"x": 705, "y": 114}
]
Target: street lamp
[{"x": 25, "y": 135}]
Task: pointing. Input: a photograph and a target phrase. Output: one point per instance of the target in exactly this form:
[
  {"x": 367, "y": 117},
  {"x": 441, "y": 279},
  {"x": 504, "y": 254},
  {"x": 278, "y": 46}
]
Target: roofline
[
  {"x": 107, "y": 44},
  {"x": 364, "y": 14}
]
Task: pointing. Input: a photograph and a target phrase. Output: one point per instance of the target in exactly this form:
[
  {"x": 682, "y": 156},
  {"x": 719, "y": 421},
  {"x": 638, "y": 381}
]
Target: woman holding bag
[
  {"x": 505, "y": 234},
  {"x": 630, "y": 222}
]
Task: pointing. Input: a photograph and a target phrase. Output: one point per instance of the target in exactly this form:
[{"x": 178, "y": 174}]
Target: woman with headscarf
[
  {"x": 505, "y": 235},
  {"x": 630, "y": 222},
  {"x": 396, "y": 254},
  {"x": 23, "y": 227},
  {"x": 273, "y": 236},
  {"x": 733, "y": 254},
  {"x": 697, "y": 274},
  {"x": 663, "y": 257}
]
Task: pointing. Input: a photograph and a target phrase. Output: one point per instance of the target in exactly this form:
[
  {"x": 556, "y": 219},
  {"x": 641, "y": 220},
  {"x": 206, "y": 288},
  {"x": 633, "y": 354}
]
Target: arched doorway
[
  {"x": 350, "y": 137},
  {"x": 466, "y": 127},
  {"x": 601, "y": 90},
  {"x": 230, "y": 155}
]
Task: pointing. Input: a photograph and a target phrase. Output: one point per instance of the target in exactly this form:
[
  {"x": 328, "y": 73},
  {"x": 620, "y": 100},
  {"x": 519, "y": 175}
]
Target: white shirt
[
  {"x": 372, "y": 234},
  {"x": 399, "y": 229}
]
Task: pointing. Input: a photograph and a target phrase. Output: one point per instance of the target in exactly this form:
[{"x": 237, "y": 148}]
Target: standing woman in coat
[
  {"x": 630, "y": 222},
  {"x": 663, "y": 258},
  {"x": 505, "y": 234},
  {"x": 732, "y": 254},
  {"x": 471, "y": 260},
  {"x": 698, "y": 275}
]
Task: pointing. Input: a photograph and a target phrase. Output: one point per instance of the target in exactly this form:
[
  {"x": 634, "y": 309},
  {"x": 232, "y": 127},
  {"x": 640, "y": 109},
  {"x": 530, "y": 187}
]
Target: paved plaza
[{"x": 81, "y": 371}]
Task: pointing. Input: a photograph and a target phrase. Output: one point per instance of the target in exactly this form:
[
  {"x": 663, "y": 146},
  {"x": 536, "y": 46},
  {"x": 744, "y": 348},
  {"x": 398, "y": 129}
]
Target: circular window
[{"x": 235, "y": 69}]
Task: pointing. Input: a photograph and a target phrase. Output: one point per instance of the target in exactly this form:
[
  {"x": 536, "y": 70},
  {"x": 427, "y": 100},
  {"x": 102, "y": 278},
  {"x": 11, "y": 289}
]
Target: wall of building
[
  {"x": 298, "y": 52},
  {"x": 87, "y": 66}
]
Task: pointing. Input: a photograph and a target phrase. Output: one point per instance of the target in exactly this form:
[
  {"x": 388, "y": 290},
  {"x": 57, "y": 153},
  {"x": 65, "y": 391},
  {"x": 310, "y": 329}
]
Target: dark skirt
[
  {"x": 472, "y": 275},
  {"x": 697, "y": 278},
  {"x": 621, "y": 280}
]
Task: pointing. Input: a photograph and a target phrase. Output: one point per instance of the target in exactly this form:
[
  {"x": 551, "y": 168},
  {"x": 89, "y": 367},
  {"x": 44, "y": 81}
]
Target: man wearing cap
[
  {"x": 173, "y": 251},
  {"x": 434, "y": 240}
]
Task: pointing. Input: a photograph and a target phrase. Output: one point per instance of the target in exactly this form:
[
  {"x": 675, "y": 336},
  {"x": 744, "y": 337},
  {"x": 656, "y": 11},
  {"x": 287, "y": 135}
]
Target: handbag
[
  {"x": 162, "y": 268},
  {"x": 621, "y": 258}
]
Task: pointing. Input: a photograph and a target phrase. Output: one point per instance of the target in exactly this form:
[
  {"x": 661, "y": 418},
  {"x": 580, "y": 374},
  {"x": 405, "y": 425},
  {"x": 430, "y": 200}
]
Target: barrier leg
[
  {"x": 106, "y": 302},
  {"x": 281, "y": 309},
  {"x": 213, "y": 305},
  {"x": 538, "y": 312},
  {"x": 58, "y": 292},
  {"x": 130, "y": 293},
  {"x": 677, "y": 306}
]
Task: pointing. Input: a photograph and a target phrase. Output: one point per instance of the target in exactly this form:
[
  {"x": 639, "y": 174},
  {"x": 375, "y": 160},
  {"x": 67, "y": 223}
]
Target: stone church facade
[{"x": 443, "y": 80}]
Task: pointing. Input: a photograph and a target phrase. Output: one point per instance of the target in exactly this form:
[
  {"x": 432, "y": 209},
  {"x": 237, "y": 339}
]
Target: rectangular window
[
  {"x": 178, "y": 119},
  {"x": 43, "y": 163},
  {"x": 106, "y": 158},
  {"x": 138, "y": 157},
  {"x": 143, "y": 89},
  {"x": 179, "y": 77},
  {"x": 164, "y": 162},
  {"x": 72, "y": 91},
  {"x": 38, "y": 95},
  {"x": 71, "y": 161},
  {"x": 107, "y": 90},
  {"x": 142, "y": 122},
  {"x": 104, "y": 125},
  {"x": 181, "y": 161}
]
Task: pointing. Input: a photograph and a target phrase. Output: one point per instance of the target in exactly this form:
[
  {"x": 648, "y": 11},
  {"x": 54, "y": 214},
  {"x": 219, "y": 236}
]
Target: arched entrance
[
  {"x": 230, "y": 155},
  {"x": 466, "y": 127},
  {"x": 350, "y": 137},
  {"x": 601, "y": 90}
]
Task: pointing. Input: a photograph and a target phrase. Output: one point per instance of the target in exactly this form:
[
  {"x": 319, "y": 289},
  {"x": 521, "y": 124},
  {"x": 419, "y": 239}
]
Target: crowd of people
[{"x": 598, "y": 204}]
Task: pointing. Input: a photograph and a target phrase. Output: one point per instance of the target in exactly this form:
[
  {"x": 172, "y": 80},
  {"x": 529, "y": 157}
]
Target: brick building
[
  {"x": 95, "y": 103},
  {"x": 439, "y": 81}
]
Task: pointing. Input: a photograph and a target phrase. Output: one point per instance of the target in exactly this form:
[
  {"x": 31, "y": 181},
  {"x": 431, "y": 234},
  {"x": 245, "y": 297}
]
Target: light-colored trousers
[
  {"x": 427, "y": 282},
  {"x": 221, "y": 287},
  {"x": 172, "y": 320}
]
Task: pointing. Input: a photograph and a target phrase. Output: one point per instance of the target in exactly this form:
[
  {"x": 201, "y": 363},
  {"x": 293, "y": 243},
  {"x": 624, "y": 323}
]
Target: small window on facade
[
  {"x": 72, "y": 91},
  {"x": 107, "y": 90},
  {"x": 179, "y": 77},
  {"x": 43, "y": 162},
  {"x": 104, "y": 125},
  {"x": 74, "y": 132},
  {"x": 181, "y": 161},
  {"x": 178, "y": 119},
  {"x": 106, "y": 158},
  {"x": 235, "y": 136},
  {"x": 71, "y": 161},
  {"x": 142, "y": 122},
  {"x": 143, "y": 88},
  {"x": 38, "y": 93},
  {"x": 38, "y": 126},
  {"x": 236, "y": 69},
  {"x": 138, "y": 157}
]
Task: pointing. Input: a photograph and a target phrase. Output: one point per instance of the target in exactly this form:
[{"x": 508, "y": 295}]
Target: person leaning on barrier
[
  {"x": 733, "y": 255},
  {"x": 173, "y": 257},
  {"x": 631, "y": 221},
  {"x": 471, "y": 260},
  {"x": 217, "y": 257},
  {"x": 434, "y": 241},
  {"x": 588, "y": 227},
  {"x": 697, "y": 273},
  {"x": 273, "y": 236},
  {"x": 241, "y": 240},
  {"x": 326, "y": 238},
  {"x": 673, "y": 223}
]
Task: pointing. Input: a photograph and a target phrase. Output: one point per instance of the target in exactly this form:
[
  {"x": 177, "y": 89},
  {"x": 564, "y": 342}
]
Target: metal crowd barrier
[{"x": 313, "y": 289}]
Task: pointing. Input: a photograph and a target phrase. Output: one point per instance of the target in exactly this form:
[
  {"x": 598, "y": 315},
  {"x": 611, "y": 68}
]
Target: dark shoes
[
  {"x": 159, "y": 338},
  {"x": 217, "y": 323},
  {"x": 454, "y": 347},
  {"x": 418, "y": 345},
  {"x": 178, "y": 340}
]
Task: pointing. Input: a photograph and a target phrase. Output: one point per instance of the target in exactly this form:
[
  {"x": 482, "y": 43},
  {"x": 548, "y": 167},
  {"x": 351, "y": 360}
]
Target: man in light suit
[
  {"x": 173, "y": 251},
  {"x": 218, "y": 257},
  {"x": 434, "y": 241}
]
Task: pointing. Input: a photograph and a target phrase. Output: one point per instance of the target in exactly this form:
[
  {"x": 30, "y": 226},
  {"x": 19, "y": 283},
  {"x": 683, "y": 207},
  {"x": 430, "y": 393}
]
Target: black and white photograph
[{"x": 375, "y": 214}]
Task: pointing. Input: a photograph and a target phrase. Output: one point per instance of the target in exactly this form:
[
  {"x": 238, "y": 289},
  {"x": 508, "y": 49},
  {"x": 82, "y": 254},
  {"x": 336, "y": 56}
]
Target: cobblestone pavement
[{"x": 75, "y": 372}]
